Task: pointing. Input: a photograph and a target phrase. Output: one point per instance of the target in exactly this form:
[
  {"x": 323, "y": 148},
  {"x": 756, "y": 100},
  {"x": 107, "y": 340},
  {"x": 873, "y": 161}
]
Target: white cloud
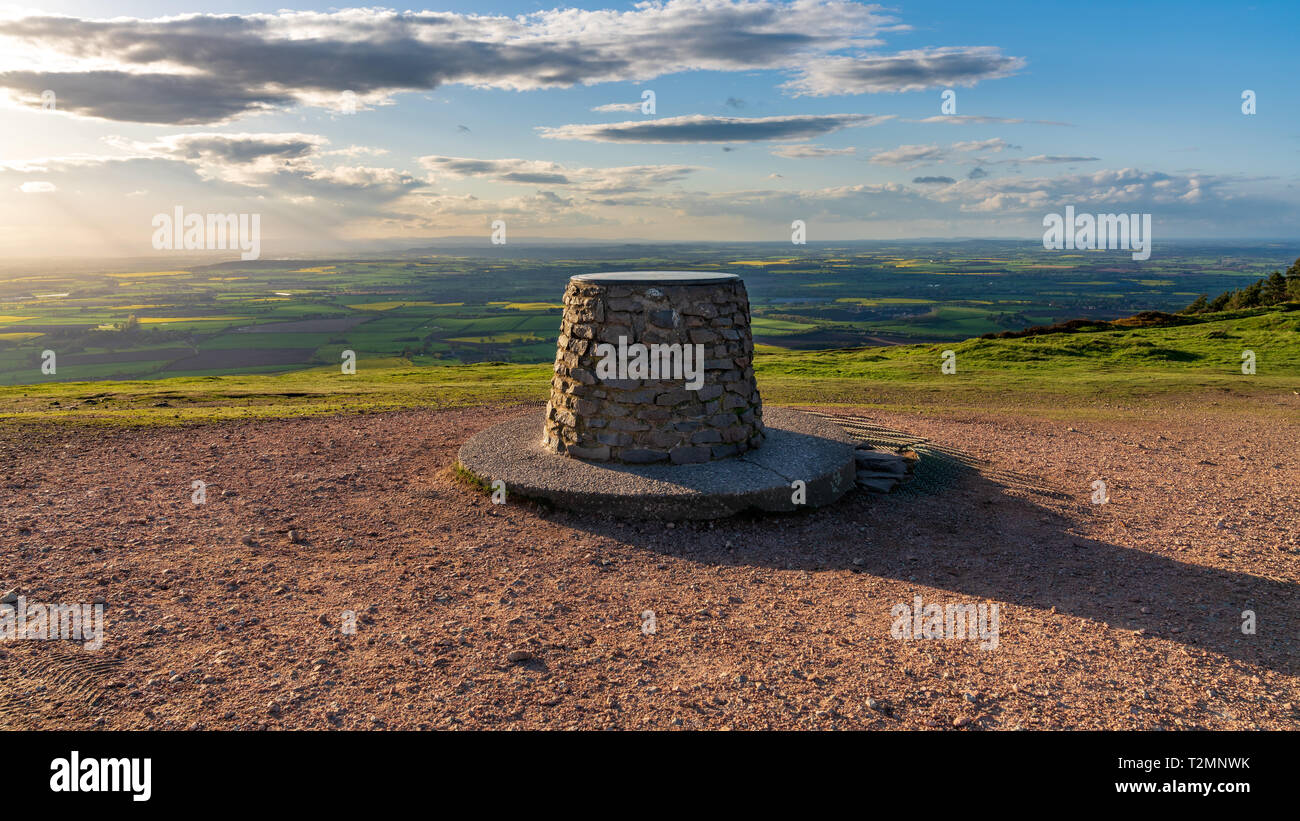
[
  {"x": 995, "y": 144},
  {"x": 805, "y": 152},
  {"x": 602, "y": 181},
  {"x": 1042, "y": 159},
  {"x": 632, "y": 107},
  {"x": 909, "y": 155},
  {"x": 247, "y": 158}
]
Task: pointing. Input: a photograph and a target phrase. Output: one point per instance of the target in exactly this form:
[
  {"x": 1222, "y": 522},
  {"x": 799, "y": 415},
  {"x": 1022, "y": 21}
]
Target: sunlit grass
[{"x": 1067, "y": 374}]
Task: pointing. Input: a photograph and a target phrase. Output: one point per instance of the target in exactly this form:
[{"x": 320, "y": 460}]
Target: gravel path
[{"x": 229, "y": 614}]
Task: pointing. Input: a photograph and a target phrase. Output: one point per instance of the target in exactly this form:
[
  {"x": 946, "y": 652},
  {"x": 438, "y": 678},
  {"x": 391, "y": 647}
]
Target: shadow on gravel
[{"x": 981, "y": 540}]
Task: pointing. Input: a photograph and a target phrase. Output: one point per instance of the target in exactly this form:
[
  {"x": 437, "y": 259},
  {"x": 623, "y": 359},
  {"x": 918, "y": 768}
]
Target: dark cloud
[
  {"x": 541, "y": 179},
  {"x": 906, "y": 71},
  {"x": 465, "y": 166},
  {"x": 143, "y": 98},
  {"x": 210, "y": 68},
  {"x": 240, "y": 149},
  {"x": 933, "y": 180},
  {"x": 699, "y": 128}
]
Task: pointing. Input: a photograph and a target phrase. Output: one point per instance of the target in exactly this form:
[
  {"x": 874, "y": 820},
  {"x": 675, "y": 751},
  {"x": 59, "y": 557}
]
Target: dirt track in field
[{"x": 1122, "y": 615}]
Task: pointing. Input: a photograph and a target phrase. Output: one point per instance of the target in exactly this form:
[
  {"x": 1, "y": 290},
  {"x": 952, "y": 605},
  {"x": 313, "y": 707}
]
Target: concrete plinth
[{"x": 798, "y": 447}]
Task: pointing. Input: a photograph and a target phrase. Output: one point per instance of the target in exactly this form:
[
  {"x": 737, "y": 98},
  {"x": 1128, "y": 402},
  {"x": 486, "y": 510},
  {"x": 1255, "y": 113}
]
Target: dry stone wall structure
[{"x": 654, "y": 367}]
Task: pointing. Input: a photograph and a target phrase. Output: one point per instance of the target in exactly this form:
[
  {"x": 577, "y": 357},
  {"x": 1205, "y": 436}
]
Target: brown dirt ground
[{"x": 1125, "y": 615}]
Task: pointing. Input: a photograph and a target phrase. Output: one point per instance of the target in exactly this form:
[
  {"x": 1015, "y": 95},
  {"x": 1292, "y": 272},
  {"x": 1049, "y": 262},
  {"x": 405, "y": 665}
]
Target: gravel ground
[{"x": 231, "y": 614}]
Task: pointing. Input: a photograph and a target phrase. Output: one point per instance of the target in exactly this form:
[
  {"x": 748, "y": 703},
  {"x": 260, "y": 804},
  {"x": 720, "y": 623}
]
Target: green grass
[
  {"x": 949, "y": 321},
  {"x": 1066, "y": 373},
  {"x": 777, "y": 327}
]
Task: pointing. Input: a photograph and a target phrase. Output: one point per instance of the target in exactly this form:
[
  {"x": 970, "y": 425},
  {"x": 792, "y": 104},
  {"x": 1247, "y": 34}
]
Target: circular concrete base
[{"x": 799, "y": 447}]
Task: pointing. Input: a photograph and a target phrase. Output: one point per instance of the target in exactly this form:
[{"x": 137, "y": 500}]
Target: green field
[{"x": 432, "y": 310}]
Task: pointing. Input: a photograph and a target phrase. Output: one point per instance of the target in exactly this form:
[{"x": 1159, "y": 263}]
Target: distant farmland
[{"x": 277, "y": 315}]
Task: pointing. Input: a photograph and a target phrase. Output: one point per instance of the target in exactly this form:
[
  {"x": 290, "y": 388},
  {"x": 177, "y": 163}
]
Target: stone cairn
[{"x": 642, "y": 420}]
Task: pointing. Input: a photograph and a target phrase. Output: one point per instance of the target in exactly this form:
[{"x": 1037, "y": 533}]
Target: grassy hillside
[{"x": 1047, "y": 373}]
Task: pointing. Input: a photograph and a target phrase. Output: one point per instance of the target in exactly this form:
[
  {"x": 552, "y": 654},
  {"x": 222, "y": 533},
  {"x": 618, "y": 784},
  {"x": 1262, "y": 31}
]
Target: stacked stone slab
[{"x": 639, "y": 421}]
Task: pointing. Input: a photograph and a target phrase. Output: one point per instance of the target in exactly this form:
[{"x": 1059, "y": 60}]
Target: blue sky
[{"x": 766, "y": 112}]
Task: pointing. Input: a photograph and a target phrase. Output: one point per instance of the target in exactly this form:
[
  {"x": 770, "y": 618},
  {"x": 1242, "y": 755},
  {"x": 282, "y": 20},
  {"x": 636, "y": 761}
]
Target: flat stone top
[{"x": 657, "y": 278}]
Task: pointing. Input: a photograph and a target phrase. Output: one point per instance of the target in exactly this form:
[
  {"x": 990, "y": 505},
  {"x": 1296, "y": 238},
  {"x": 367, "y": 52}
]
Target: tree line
[{"x": 1273, "y": 289}]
